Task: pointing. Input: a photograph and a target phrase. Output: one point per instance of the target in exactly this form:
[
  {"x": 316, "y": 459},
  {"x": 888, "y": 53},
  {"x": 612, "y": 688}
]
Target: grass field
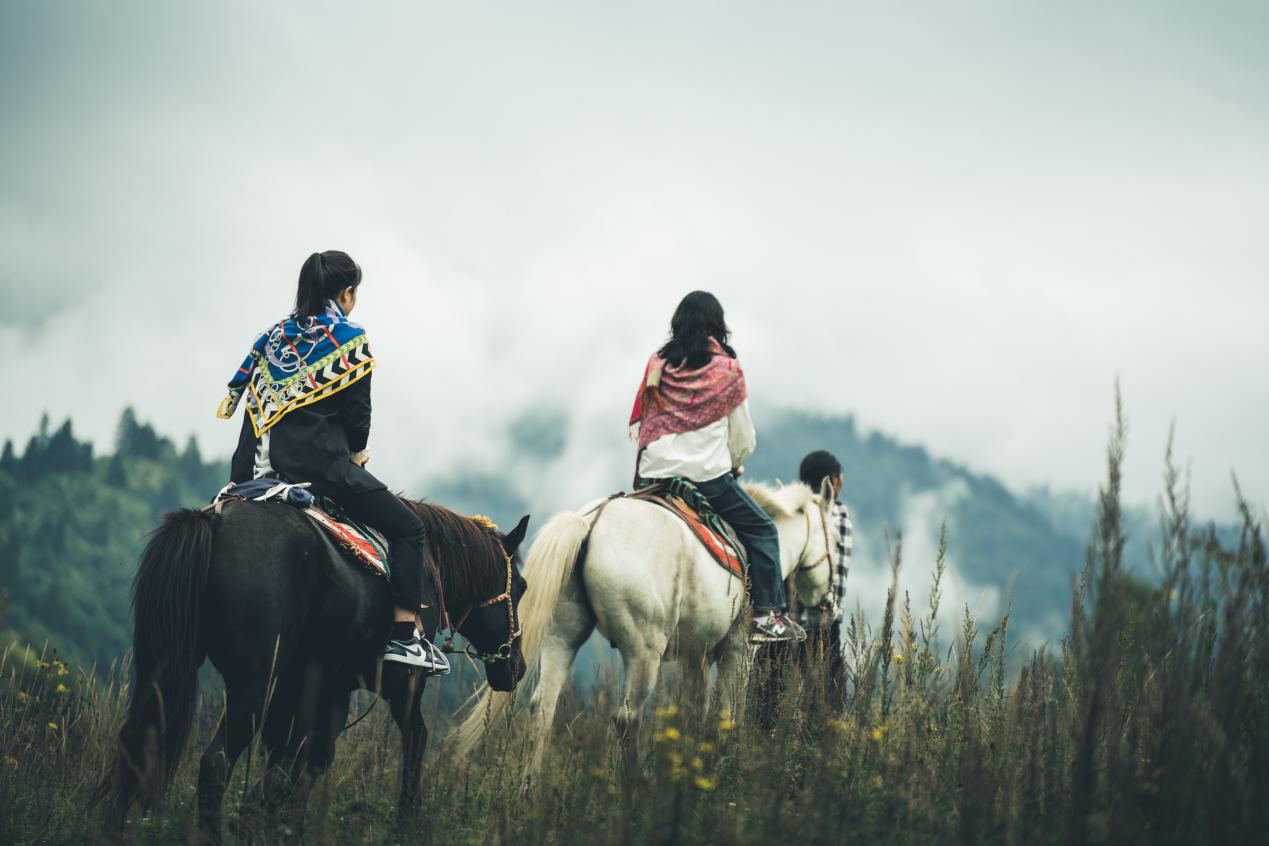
[{"x": 1149, "y": 723}]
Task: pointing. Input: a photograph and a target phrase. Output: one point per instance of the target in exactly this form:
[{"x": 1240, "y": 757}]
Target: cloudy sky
[{"x": 960, "y": 222}]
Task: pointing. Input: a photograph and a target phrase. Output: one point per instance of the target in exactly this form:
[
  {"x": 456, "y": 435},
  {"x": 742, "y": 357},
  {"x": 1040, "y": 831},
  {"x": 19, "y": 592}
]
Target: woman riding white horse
[{"x": 692, "y": 410}]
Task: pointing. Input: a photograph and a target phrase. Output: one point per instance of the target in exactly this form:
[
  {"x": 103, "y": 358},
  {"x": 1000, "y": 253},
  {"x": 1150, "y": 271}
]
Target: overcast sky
[{"x": 961, "y": 223}]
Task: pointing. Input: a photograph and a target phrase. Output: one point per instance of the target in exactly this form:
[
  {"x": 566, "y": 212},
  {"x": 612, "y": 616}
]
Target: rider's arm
[
  {"x": 356, "y": 413},
  {"x": 241, "y": 466},
  {"x": 741, "y": 438}
]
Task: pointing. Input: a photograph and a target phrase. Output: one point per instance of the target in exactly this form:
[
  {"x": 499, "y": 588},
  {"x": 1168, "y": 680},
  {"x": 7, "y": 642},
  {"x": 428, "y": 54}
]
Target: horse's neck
[
  {"x": 794, "y": 537},
  {"x": 797, "y": 534}
]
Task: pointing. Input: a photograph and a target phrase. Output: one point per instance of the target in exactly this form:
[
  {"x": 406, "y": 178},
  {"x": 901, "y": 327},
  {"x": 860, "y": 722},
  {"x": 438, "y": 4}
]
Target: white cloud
[{"x": 981, "y": 217}]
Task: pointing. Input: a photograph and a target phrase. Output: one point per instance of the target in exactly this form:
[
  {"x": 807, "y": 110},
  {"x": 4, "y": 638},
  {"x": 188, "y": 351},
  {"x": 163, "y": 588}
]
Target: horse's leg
[
  {"x": 695, "y": 686},
  {"x": 233, "y": 735},
  {"x": 642, "y": 666},
  {"x": 324, "y": 723},
  {"x": 730, "y": 655},
  {"x": 570, "y": 628},
  {"x": 404, "y": 699},
  {"x": 285, "y": 739}
]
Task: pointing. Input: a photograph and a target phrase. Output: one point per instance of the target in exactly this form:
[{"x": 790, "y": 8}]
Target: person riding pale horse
[
  {"x": 307, "y": 384},
  {"x": 634, "y": 572},
  {"x": 692, "y": 411}
]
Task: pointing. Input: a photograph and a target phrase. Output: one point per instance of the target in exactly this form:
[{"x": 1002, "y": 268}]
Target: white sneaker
[
  {"x": 774, "y": 627},
  {"x": 417, "y": 652}
]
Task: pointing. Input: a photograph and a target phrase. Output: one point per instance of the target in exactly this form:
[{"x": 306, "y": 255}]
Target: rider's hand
[
  {"x": 360, "y": 458},
  {"x": 738, "y": 471}
]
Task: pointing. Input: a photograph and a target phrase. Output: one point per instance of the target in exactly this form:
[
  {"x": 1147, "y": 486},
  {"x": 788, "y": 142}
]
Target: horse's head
[
  {"x": 492, "y": 628},
  {"x": 815, "y": 564}
]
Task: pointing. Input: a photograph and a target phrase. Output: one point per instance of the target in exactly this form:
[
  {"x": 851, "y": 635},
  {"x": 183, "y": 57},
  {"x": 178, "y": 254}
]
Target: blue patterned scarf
[{"x": 296, "y": 363}]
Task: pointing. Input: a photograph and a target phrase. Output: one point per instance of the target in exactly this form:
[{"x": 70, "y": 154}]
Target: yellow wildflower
[
  {"x": 839, "y": 725},
  {"x": 706, "y": 746},
  {"x": 10, "y": 762},
  {"x": 62, "y": 669},
  {"x": 898, "y": 657},
  {"x": 23, "y": 696},
  {"x": 675, "y": 758},
  {"x": 878, "y": 733},
  {"x": 61, "y": 689},
  {"x": 706, "y": 783},
  {"x": 52, "y": 725},
  {"x": 672, "y": 733},
  {"x": 697, "y": 764},
  {"x": 667, "y": 711},
  {"x": 726, "y": 724},
  {"x": 876, "y": 781}
]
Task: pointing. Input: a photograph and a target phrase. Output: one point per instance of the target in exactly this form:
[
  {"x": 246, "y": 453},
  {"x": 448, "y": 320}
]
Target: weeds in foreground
[{"x": 1149, "y": 724}]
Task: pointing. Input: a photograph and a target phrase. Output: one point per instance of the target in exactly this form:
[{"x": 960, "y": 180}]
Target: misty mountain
[
  {"x": 72, "y": 521},
  {"x": 1003, "y": 548}
]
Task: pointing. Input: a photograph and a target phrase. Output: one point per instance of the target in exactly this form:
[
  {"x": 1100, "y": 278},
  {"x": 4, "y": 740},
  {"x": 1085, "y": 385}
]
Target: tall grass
[{"x": 1148, "y": 723}]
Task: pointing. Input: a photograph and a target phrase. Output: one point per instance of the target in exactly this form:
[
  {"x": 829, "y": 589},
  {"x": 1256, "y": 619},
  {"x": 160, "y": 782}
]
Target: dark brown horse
[{"x": 294, "y": 628}]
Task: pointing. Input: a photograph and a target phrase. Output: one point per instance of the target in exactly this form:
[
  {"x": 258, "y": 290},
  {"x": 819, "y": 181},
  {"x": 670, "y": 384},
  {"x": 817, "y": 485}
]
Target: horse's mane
[
  {"x": 468, "y": 554},
  {"x": 784, "y": 501}
]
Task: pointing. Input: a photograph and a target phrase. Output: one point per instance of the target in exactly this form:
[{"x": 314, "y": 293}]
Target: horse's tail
[
  {"x": 547, "y": 569},
  {"x": 167, "y": 652}
]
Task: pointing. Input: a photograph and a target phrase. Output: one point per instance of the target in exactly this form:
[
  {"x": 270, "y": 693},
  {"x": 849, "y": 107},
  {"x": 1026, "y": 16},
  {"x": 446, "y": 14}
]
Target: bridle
[
  {"x": 502, "y": 653},
  {"x": 826, "y": 558}
]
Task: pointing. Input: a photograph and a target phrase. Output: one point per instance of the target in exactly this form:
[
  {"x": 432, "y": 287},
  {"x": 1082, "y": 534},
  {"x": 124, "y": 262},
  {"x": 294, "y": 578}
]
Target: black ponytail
[{"x": 322, "y": 277}]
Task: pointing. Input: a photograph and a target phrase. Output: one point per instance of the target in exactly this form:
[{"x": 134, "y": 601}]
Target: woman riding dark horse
[
  {"x": 307, "y": 385},
  {"x": 291, "y": 624}
]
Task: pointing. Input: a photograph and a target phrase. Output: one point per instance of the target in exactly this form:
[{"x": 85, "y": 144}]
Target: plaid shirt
[{"x": 841, "y": 566}]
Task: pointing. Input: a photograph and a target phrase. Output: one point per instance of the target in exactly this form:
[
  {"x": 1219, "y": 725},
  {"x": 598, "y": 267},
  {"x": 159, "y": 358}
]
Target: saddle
[
  {"x": 359, "y": 541},
  {"x": 682, "y": 499}
]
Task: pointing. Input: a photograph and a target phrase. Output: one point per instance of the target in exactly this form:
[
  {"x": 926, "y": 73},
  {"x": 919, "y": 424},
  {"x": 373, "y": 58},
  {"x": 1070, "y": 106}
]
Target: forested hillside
[{"x": 72, "y": 525}]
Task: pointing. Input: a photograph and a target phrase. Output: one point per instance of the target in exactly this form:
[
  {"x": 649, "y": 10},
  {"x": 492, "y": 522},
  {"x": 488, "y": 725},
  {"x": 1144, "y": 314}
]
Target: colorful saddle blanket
[
  {"x": 367, "y": 546},
  {"x": 681, "y": 498}
]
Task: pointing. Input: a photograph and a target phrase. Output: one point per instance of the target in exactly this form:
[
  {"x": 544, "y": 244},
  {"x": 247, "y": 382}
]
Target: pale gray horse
[{"x": 651, "y": 589}]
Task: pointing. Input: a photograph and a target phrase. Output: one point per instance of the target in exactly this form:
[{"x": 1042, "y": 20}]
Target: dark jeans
[
  {"x": 757, "y": 533},
  {"x": 411, "y": 587}
]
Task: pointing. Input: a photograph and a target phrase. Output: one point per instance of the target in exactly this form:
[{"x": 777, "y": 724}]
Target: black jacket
[{"x": 315, "y": 444}]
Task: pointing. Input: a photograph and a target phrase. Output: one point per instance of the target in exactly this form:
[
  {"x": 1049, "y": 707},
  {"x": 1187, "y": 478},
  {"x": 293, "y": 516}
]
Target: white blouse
[{"x": 703, "y": 454}]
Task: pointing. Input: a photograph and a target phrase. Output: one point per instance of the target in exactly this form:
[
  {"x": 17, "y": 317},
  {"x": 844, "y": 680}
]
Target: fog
[{"x": 962, "y": 226}]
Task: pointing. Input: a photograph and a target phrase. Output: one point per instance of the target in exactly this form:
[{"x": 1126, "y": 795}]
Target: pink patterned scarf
[{"x": 672, "y": 400}]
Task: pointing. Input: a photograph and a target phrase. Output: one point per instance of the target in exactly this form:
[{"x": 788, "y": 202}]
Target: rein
[
  {"x": 503, "y": 652},
  {"x": 826, "y": 558}
]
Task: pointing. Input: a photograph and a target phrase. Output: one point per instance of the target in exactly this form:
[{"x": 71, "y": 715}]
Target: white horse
[{"x": 651, "y": 589}]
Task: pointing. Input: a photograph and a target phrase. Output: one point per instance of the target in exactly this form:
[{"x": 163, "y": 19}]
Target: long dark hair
[
  {"x": 698, "y": 318},
  {"x": 322, "y": 277}
]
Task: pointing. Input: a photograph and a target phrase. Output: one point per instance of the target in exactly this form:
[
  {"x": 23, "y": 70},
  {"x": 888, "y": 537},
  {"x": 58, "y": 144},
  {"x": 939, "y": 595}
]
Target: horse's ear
[
  {"x": 516, "y": 536},
  {"x": 826, "y": 493}
]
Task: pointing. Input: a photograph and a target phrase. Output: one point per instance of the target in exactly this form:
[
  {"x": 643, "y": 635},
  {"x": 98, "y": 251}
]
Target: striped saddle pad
[
  {"x": 681, "y": 498},
  {"x": 360, "y": 541}
]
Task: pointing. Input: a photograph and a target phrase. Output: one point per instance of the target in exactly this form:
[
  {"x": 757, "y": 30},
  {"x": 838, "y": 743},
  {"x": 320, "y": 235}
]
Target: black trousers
[{"x": 411, "y": 582}]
